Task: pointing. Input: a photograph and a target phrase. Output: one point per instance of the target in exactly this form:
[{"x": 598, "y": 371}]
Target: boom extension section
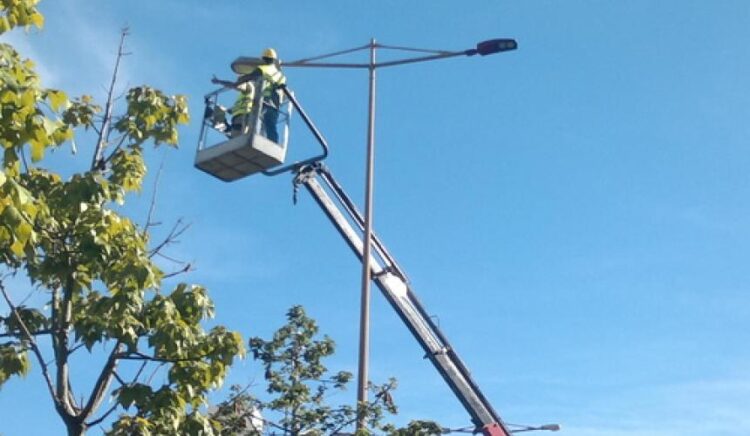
[{"x": 393, "y": 283}]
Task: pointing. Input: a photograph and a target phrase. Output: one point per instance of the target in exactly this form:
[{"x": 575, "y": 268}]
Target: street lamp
[
  {"x": 523, "y": 428},
  {"x": 483, "y": 48}
]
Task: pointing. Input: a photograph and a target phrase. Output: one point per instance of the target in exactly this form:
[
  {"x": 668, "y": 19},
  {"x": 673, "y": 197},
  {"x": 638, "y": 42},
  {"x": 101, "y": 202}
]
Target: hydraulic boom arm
[{"x": 391, "y": 280}]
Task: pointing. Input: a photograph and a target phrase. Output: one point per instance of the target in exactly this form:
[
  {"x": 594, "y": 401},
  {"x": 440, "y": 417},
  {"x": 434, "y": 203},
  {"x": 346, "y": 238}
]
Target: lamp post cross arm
[{"x": 483, "y": 48}]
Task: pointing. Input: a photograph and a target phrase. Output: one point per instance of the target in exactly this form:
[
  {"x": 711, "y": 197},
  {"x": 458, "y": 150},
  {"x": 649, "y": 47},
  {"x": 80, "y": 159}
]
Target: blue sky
[{"x": 573, "y": 213}]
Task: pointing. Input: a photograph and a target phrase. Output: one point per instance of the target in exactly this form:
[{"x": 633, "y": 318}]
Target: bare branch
[
  {"x": 187, "y": 268},
  {"x": 104, "y": 416},
  {"x": 102, "y": 383},
  {"x": 135, "y": 377},
  {"x": 152, "y": 206},
  {"x": 273, "y": 424},
  {"x": 120, "y": 142},
  {"x": 153, "y": 374},
  {"x": 72, "y": 399},
  {"x": 119, "y": 379},
  {"x": 62, "y": 317},
  {"x": 34, "y": 348},
  {"x": 76, "y": 348},
  {"x": 28, "y": 296},
  {"x": 140, "y": 356},
  {"x": 177, "y": 230},
  {"x": 106, "y": 122},
  {"x": 139, "y": 372},
  {"x": 123, "y": 383},
  {"x": 123, "y": 93}
]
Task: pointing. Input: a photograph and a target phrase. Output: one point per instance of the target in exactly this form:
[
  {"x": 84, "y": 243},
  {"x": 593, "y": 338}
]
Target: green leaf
[
  {"x": 57, "y": 99},
  {"x": 13, "y": 361},
  {"x": 135, "y": 394},
  {"x": 37, "y": 19},
  {"x": 24, "y": 232},
  {"x": 37, "y": 150},
  {"x": 4, "y": 25}
]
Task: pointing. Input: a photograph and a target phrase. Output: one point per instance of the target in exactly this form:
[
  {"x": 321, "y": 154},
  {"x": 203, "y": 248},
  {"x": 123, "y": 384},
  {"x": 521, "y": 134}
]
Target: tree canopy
[
  {"x": 102, "y": 291},
  {"x": 298, "y": 389}
]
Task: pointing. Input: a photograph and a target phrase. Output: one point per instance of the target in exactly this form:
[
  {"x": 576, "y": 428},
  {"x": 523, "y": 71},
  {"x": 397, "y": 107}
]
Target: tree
[
  {"x": 94, "y": 266},
  {"x": 298, "y": 385}
]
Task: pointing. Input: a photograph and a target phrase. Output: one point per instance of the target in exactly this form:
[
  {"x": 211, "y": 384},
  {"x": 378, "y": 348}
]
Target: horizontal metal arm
[
  {"x": 379, "y": 64},
  {"x": 421, "y": 59}
]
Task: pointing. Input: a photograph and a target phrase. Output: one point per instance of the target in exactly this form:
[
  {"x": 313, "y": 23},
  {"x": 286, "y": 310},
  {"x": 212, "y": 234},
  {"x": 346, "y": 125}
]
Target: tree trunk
[{"x": 75, "y": 427}]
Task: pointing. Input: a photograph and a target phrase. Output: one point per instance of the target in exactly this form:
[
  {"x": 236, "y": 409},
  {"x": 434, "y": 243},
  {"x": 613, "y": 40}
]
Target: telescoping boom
[
  {"x": 248, "y": 150},
  {"x": 391, "y": 280}
]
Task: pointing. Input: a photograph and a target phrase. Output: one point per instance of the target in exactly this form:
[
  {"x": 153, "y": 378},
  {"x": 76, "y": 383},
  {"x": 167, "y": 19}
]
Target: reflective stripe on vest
[
  {"x": 273, "y": 76},
  {"x": 244, "y": 103}
]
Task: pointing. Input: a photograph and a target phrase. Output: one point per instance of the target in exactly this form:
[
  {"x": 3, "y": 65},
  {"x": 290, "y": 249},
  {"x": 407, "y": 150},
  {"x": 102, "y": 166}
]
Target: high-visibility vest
[
  {"x": 244, "y": 103},
  {"x": 273, "y": 77}
]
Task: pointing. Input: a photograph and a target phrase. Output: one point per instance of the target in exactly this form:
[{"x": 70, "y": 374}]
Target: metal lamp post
[{"x": 483, "y": 48}]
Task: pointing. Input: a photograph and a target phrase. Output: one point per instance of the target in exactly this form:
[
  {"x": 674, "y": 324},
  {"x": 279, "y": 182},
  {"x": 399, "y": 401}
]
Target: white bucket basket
[{"x": 240, "y": 156}]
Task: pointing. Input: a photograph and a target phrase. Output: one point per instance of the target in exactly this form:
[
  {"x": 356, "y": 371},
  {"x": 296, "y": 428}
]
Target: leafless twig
[
  {"x": 119, "y": 379},
  {"x": 34, "y": 347},
  {"x": 187, "y": 268},
  {"x": 104, "y": 416},
  {"x": 106, "y": 122},
  {"x": 152, "y": 206},
  {"x": 26, "y": 298},
  {"x": 116, "y": 405},
  {"x": 103, "y": 381},
  {"x": 76, "y": 348},
  {"x": 141, "y": 356},
  {"x": 178, "y": 229},
  {"x": 153, "y": 374}
]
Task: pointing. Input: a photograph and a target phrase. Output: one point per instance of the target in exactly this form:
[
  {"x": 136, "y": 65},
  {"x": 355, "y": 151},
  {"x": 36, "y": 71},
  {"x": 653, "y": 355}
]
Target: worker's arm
[
  {"x": 250, "y": 77},
  {"x": 226, "y": 83}
]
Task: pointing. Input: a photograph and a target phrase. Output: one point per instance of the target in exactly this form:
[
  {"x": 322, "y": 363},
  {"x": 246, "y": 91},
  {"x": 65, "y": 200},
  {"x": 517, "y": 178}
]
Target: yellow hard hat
[{"x": 270, "y": 54}]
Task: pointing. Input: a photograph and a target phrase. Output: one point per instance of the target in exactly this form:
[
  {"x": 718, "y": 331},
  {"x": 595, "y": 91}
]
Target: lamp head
[
  {"x": 245, "y": 65},
  {"x": 492, "y": 46}
]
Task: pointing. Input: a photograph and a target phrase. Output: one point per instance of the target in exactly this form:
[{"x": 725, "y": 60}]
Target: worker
[
  {"x": 272, "y": 80},
  {"x": 242, "y": 107},
  {"x": 272, "y": 94}
]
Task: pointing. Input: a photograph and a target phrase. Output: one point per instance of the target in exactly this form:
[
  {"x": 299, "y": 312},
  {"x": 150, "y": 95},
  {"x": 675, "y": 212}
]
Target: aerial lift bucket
[
  {"x": 250, "y": 151},
  {"x": 240, "y": 157}
]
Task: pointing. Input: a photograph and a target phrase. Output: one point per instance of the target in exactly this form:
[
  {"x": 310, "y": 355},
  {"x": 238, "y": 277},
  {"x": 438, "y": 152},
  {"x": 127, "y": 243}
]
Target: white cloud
[
  {"x": 90, "y": 50},
  {"x": 77, "y": 49},
  {"x": 22, "y": 42}
]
